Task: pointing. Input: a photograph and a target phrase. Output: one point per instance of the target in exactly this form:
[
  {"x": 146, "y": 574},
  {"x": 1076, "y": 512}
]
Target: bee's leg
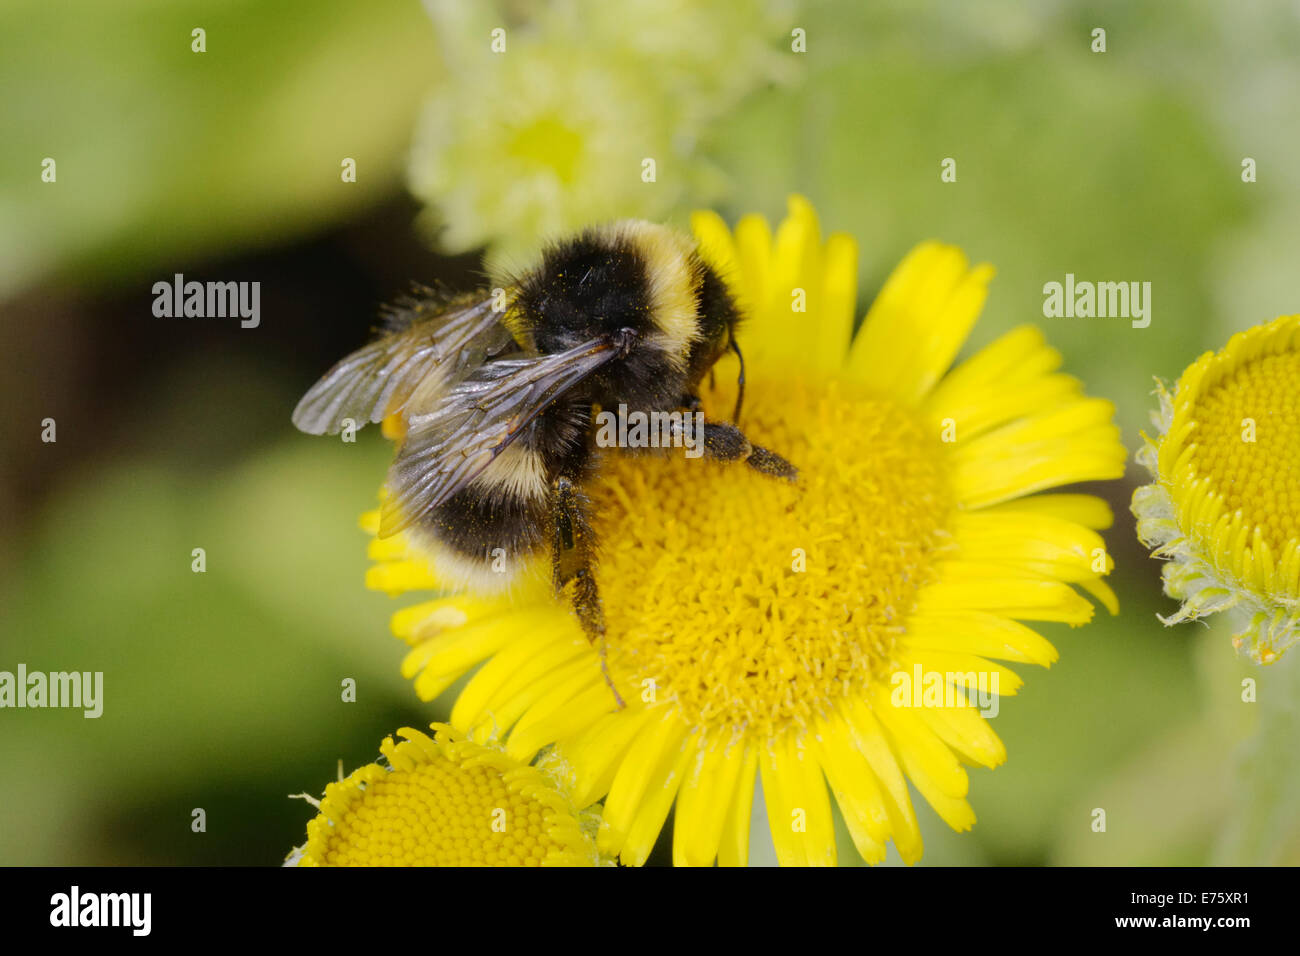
[
  {"x": 573, "y": 554},
  {"x": 724, "y": 442}
]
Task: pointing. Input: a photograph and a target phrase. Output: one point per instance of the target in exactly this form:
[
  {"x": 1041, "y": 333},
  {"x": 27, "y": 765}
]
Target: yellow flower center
[
  {"x": 1247, "y": 442},
  {"x": 440, "y": 805},
  {"x": 753, "y": 603},
  {"x": 548, "y": 142}
]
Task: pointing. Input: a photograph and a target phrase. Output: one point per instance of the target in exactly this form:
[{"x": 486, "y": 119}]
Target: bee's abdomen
[
  {"x": 480, "y": 542},
  {"x": 491, "y": 529},
  {"x": 500, "y": 524}
]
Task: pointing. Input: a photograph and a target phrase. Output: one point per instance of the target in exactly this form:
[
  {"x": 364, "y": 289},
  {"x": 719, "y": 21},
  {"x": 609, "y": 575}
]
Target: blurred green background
[{"x": 223, "y": 689}]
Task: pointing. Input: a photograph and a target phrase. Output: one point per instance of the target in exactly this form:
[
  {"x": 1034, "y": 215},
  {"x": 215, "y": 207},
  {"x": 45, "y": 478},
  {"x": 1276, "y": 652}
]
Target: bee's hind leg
[
  {"x": 724, "y": 442},
  {"x": 573, "y": 555}
]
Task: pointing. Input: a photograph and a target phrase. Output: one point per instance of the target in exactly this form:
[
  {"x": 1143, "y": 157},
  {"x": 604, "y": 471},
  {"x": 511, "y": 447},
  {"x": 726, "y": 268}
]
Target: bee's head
[
  {"x": 640, "y": 285},
  {"x": 593, "y": 285}
]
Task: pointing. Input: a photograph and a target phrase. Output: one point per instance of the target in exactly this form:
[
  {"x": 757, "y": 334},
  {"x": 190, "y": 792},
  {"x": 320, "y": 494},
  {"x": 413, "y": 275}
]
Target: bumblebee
[{"x": 498, "y": 392}]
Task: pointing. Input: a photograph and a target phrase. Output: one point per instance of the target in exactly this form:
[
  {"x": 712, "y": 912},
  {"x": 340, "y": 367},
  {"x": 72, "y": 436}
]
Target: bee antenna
[{"x": 740, "y": 379}]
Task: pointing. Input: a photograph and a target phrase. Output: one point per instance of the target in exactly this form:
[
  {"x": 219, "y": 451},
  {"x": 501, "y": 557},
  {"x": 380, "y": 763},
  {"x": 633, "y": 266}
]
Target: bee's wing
[
  {"x": 441, "y": 340},
  {"x": 474, "y": 422}
]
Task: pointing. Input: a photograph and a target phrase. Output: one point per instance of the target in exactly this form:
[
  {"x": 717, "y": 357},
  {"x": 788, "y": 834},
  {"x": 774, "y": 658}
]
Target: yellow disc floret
[
  {"x": 1226, "y": 503},
  {"x": 1247, "y": 444},
  {"x": 754, "y": 603},
  {"x": 443, "y": 801}
]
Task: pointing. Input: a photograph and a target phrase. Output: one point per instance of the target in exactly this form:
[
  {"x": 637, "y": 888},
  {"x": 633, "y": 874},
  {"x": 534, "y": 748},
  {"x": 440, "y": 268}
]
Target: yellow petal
[
  {"x": 967, "y": 587},
  {"x": 869, "y": 737},
  {"x": 839, "y": 301},
  {"x": 560, "y": 714},
  {"x": 798, "y": 809},
  {"x": 653, "y": 808},
  {"x": 963, "y": 670},
  {"x": 919, "y": 322},
  {"x": 398, "y": 577},
  {"x": 733, "y": 848},
  {"x": 1040, "y": 544},
  {"x": 917, "y": 747},
  {"x": 505, "y": 710},
  {"x": 718, "y": 249},
  {"x": 856, "y": 790},
  {"x": 704, "y": 802},
  {"x": 918, "y": 750},
  {"x": 592, "y": 757},
  {"x": 648, "y": 762},
  {"x": 967, "y": 732},
  {"x": 531, "y": 659},
  {"x": 979, "y": 633},
  {"x": 1017, "y": 357},
  {"x": 1087, "y": 510},
  {"x": 976, "y": 411}
]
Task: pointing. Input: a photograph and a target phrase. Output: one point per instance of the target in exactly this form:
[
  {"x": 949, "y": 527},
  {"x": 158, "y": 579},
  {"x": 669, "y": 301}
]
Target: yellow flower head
[
  {"x": 447, "y": 801},
  {"x": 580, "y": 112},
  {"x": 810, "y": 633},
  {"x": 1224, "y": 507}
]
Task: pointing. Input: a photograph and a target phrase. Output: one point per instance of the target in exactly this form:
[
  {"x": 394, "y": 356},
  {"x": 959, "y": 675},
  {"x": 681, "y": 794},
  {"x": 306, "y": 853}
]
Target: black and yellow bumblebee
[{"x": 498, "y": 390}]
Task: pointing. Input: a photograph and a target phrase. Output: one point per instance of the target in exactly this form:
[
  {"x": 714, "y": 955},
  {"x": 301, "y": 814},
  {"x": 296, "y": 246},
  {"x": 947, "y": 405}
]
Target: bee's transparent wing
[
  {"x": 474, "y": 422},
  {"x": 436, "y": 342}
]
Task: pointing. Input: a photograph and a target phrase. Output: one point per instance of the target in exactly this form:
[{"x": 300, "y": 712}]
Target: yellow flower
[
  {"x": 580, "y": 112},
  {"x": 790, "y": 631},
  {"x": 447, "y": 801},
  {"x": 1224, "y": 508}
]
